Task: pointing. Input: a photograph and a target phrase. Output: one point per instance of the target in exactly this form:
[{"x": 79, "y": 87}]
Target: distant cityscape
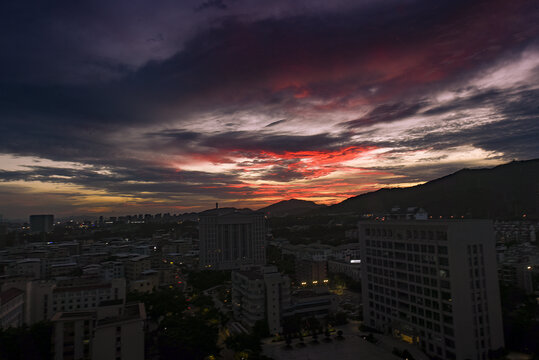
[{"x": 399, "y": 282}]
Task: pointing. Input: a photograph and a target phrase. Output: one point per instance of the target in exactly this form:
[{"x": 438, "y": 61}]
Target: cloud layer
[{"x": 169, "y": 106}]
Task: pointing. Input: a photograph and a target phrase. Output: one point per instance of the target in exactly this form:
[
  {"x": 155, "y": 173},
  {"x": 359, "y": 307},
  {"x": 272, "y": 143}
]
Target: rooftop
[{"x": 135, "y": 311}]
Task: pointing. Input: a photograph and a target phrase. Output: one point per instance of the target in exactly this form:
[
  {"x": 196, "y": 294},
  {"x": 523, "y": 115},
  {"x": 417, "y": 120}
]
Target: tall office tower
[
  {"x": 41, "y": 223},
  {"x": 230, "y": 238},
  {"x": 433, "y": 283}
]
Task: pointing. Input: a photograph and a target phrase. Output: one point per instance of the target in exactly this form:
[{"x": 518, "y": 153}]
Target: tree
[
  {"x": 292, "y": 324},
  {"x": 288, "y": 340},
  {"x": 340, "y": 318},
  {"x": 203, "y": 280},
  {"x": 519, "y": 313},
  {"x": 25, "y": 342},
  {"x": 242, "y": 342},
  {"x": 260, "y": 328},
  {"x": 327, "y": 334},
  {"x": 161, "y": 303},
  {"x": 187, "y": 338},
  {"x": 301, "y": 340}
]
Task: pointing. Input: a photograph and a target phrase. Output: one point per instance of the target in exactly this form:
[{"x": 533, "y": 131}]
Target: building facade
[
  {"x": 11, "y": 308},
  {"x": 231, "y": 238},
  {"x": 46, "y": 298},
  {"x": 258, "y": 294},
  {"x": 311, "y": 272},
  {"x": 433, "y": 283},
  {"x": 114, "y": 331}
]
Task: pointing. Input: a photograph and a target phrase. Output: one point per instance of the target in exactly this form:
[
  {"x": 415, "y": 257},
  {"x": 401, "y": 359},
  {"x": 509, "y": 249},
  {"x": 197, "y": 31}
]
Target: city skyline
[{"x": 135, "y": 107}]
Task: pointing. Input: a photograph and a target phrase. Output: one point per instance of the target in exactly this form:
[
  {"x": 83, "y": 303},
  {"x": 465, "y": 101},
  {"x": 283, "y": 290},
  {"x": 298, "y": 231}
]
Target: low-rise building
[
  {"x": 316, "y": 302},
  {"x": 519, "y": 275},
  {"x": 135, "y": 266},
  {"x": 45, "y": 298},
  {"x": 350, "y": 269},
  {"x": 30, "y": 267},
  {"x": 311, "y": 272},
  {"x": 147, "y": 282}
]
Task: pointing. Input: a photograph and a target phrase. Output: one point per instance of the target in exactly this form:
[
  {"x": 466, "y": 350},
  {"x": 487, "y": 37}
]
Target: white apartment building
[
  {"x": 259, "y": 293},
  {"x": 231, "y": 238},
  {"x": 433, "y": 283},
  {"x": 45, "y": 298}
]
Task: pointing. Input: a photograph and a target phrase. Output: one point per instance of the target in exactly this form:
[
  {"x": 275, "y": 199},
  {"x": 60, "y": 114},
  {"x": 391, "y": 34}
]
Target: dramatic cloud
[{"x": 171, "y": 106}]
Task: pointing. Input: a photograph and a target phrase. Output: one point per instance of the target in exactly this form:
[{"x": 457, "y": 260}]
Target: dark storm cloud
[
  {"x": 217, "y": 4},
  {"x": 385, "y": 114},
  {"x": 275, "y": 123},
  {"x": 144, "y": 179},
  {"x": 30, "y": 137},
  {"x": 240, "y": 62},
  {"x": 246, "y": 141}
]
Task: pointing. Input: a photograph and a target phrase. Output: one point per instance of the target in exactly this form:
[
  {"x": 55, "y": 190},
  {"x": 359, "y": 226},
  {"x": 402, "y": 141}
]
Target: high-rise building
[
  {"x": 41, "y": 223},
  {"x": 433, "y": 283},
  {"x": 231, "y": 238}
]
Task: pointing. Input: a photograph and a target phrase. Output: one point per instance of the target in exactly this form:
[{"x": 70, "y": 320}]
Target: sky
[{"x": 138, "y": 106}]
